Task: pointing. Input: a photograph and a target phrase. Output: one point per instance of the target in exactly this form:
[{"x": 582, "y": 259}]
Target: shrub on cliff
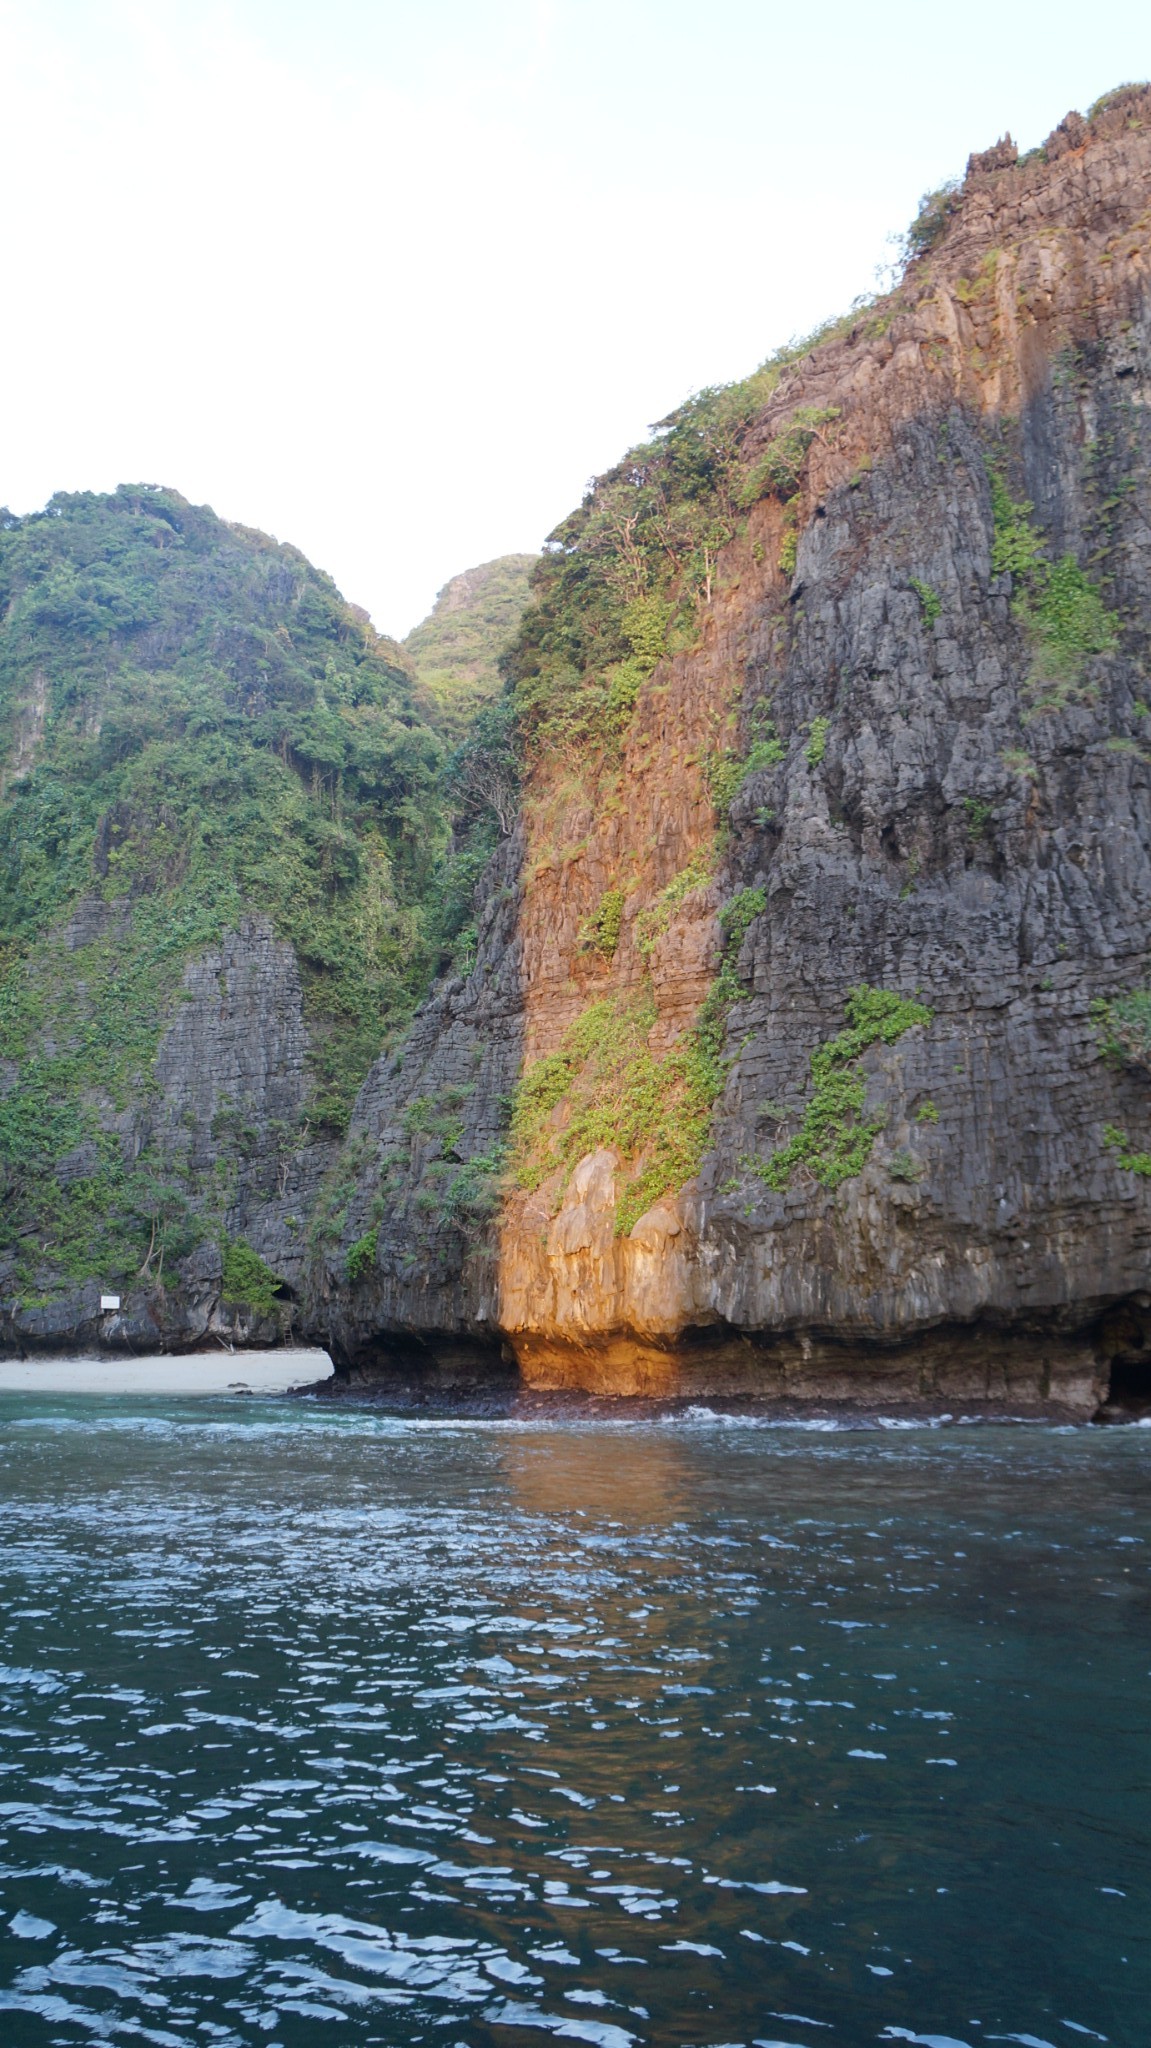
[
  {"x": 936, "y": 209},
  {"x": 626, "y": 576},
  {"x": 247, "y": 1282},
  {"x": 834, "y": 1139},
  {"x": 1124, "y": 1027},
  {"x": 1056, "y": 603}
]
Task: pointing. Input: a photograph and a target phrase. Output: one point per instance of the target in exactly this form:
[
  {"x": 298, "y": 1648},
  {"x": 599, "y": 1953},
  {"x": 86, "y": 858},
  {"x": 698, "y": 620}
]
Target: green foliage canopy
[{"x": 193, "y": 725}]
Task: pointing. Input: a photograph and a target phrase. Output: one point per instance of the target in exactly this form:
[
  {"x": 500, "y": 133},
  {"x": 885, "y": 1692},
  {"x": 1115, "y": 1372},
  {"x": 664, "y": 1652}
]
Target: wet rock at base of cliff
[{"x": 983, "y": 1368}]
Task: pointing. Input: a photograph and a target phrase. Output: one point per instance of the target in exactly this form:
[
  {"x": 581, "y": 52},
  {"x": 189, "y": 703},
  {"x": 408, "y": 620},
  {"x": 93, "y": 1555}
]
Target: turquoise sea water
[{"x": 318, "y": 1726}]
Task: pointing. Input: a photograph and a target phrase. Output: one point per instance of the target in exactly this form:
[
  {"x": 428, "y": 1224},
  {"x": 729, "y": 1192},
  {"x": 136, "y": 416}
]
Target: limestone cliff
[{"x": 894, "y": 739}]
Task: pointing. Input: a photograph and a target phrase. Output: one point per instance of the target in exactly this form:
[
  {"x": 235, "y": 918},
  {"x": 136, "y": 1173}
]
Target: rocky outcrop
[{"x": 945, "y": 822}]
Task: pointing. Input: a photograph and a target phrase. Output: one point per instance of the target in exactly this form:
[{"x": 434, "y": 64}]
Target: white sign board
[{"x": 109, "y": 1301}]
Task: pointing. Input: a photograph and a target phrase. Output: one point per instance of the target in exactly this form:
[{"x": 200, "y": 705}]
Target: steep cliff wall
[{"x": 832, "y": 883}]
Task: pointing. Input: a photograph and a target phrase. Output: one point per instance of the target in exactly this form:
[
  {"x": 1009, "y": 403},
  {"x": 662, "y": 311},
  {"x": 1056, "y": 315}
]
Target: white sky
[{"x": 393, "y": 278}]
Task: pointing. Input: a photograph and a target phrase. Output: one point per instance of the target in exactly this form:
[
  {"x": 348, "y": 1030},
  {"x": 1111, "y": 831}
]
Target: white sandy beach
[{"x": 200, "y": 1372}]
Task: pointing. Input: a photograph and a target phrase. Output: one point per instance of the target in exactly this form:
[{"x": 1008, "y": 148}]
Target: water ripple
[{"x": 323, "y": 1720}]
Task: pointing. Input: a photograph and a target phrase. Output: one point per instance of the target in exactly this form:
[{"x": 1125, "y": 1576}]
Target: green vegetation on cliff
[
  {"x": 653, "y": 1108},
  {"x": 1124, "y": 1027},
  {"x": 194, "y": 726},
  {"x": 455, "y": 651},
  {"x": 626, "y": 576},
  {"x": 1056, "y": 603},
  {"x": 247, "y": 1282},
  {"x": 834, "y": 1139},
  {"x": 624, "y": 580},
  {"x": 1131, "y": 1161},
  {"x": 606, "y": 1086}
]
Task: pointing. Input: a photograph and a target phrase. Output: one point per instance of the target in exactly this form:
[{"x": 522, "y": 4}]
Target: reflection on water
[
  {"x": 621, "y": 1477},
  {"x": 320, "y": 1725}
]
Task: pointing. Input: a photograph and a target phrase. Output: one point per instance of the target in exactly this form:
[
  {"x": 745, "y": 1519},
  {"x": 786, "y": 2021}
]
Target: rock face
[
  {"x": 233, "y": 1084},
  {"x": 420, "y": 1181},
  {"x": 956, "y": 816},
  {"x": 229, "y": 1087}
]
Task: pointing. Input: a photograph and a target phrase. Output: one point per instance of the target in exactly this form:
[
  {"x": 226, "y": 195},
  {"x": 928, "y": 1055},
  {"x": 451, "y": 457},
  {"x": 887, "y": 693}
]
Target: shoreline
[
  {"x": 517, "y": 1403},
  {"x": 273, "y": 1371},
  {"x": 307, "y": 1373}
]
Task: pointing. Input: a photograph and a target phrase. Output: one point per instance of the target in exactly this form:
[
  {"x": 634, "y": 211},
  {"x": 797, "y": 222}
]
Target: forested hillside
[
  {"x": 195, "y": 731},
  {"x": 456, "y": 650}
]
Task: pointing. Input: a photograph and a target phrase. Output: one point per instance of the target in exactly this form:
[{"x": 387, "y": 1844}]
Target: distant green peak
[{"x": 455, "y": 651}]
